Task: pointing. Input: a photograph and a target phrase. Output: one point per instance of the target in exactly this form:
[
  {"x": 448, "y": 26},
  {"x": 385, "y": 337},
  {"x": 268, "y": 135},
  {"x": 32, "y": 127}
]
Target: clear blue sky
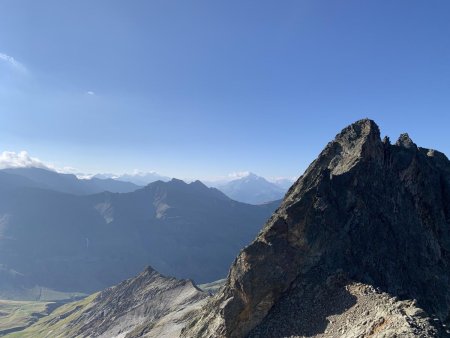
[{"x": 204, "y": 88}]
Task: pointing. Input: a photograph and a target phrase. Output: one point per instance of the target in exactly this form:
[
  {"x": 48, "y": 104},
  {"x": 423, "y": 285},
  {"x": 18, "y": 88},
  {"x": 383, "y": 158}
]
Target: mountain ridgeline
[
  {"x": 66, "y": 183},
  {"x": 69, "y": 243},
  {"x": 149, "y": 305},
  {"x": 368, "y": 221}
]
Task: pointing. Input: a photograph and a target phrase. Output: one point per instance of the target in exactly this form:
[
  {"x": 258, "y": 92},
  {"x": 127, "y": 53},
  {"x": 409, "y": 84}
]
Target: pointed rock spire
[
  {"x": 405, "y": 141},
  {"x": 358, "y": 142}
]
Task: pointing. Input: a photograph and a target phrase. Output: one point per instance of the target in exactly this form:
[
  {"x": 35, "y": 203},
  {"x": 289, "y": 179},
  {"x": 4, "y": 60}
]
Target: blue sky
[{"x": 204, "y": 88}]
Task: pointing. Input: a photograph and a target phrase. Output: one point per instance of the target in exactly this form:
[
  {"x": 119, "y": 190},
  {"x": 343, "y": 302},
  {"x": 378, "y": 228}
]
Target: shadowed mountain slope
[{"x": 86, "y": 243}]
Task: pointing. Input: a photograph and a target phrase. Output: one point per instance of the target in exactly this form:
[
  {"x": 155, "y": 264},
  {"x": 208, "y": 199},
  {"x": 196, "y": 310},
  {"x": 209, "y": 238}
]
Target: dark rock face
[{"x": 376, "y": 213}]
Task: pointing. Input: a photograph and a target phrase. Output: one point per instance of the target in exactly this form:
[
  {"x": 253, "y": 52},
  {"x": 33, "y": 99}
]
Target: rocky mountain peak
[
  {"x": 405, "y": 141},
  {"x": 148, "y": 271},
  {"x": 364, "y": 128},
  {"x": 367, "y": 211},
  {"x": 359, "y": 141}
]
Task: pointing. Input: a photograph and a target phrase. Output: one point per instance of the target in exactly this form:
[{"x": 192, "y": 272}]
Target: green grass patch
[
  {"x": 19, "y": 314},
  {"x": 55, "y": 325}
]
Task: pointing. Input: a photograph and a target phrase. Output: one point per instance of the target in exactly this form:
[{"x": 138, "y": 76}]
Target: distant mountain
[
  {"x": 84, "y": 243},
  {"x": 140, "y": 178},
  {"x": 68, "y": 183},
  {"x": 97, "y": 185},
  {"x": 252, "y": 189}
]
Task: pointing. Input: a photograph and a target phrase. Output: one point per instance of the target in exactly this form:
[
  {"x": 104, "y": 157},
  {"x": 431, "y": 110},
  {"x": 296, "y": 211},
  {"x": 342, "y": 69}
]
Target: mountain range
[
  {"x": 247, "y": 188},
  {"x": 358, "y": 248},
  {"x": 53, "y": 242},
  {"x": 138, "y": 178},
  {"x": 66, "y": 183}
]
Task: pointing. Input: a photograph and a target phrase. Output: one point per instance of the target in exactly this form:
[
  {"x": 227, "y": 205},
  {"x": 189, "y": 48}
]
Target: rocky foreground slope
[
  {"x": 149, "y": 305},
  {"x": 371, "y": 214}
]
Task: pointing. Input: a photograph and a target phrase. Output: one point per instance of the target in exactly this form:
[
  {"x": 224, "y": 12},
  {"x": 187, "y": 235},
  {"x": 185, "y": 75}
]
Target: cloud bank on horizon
[
  {"x": 22, "y": 159},
  {"x": 11, "y": 159}
]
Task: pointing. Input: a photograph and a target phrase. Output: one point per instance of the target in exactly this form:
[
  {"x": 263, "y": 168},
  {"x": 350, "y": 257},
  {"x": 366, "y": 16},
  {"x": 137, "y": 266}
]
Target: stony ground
[
  {"x": 353, "y": 310},
  {"x": 336, "y": 308}
]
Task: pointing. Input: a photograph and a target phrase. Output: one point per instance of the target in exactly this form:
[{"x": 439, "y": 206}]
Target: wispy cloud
[
  {"x": 90, "y": 92},
  {"x": 12, "y": 62}
]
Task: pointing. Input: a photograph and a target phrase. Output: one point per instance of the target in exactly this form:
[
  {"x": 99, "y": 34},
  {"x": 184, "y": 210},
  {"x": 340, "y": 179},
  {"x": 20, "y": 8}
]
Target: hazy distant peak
[
  {"x": 251, "y": 188},
  {"x": 69, "y": 183},
  {"x": 198, "y": 183},
  {"x": 254, "y": 177},
  {"x": 177, "y": 181},
  {"x": 140, "y": 178}
]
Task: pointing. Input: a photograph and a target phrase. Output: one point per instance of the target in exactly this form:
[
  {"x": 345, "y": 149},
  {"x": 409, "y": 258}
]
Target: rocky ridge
[
  {"x": 148, "y": 305},
  {"x": 373, "y": 213}
]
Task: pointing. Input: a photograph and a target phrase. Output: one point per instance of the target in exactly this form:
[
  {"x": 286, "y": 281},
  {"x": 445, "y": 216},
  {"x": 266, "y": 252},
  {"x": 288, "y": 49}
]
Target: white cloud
[
  {"x": 13, "y": 62},
  {"x": 239, "y": 174},
  {"x": 90, "y": 92},
  {"x": 11, "y": 159},
  {"x": 67, "y": 170},
  {"x": 137, "y": 172},
  {"x": 84, "y": 176}
]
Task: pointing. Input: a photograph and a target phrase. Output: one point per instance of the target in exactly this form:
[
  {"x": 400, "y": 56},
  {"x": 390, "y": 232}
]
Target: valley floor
[{"x": 17, "y": 315}]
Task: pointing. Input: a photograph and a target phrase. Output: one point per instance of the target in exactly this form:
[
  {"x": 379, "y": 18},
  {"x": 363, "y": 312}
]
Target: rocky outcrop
[
  {"x": 373, "y": 213},
  {"x": 345, "y": 309},
  {"x": 149, "y": 305}
]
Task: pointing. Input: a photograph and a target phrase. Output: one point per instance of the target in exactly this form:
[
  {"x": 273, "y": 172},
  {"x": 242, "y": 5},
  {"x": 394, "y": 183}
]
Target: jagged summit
[
  {"x": 148, "y": 270},
  {"x": 359, "y": 140},
  {"x": 360, "y": 128},
  {"x": 405, "y": 141},
  {"x": 364, "y": 212}
]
